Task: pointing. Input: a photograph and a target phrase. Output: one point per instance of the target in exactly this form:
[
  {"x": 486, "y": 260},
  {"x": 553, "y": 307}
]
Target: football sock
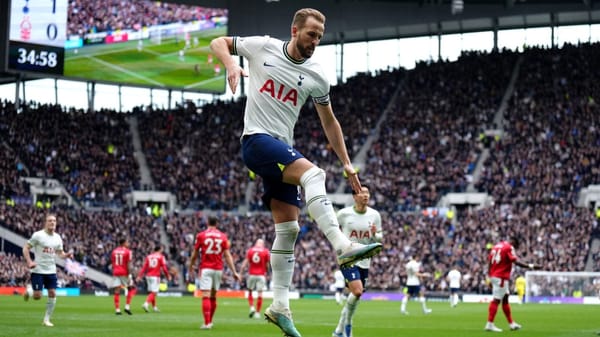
[
  {"x": 50, "y": 308},
  {"x": 342, "y": 322},
  {"x": 507, "y": 313},
  {"x": 250, "y": 299},
  {"x": 258, "y": 304},
  {"x": 206, "y": 310},
  {"x": 423, "y": 304},
  {"x": 282, "y": 262},
  {"x": 213, "y": 307},
  {"x": 116, "y": 298},
  {"x": 351, "y": 303},
  {"x": 403, "y": 305},
  {"x": 130, "y": 295},
  {"x": 320, "y": 208},
  {"x": 492, "y": 309}
]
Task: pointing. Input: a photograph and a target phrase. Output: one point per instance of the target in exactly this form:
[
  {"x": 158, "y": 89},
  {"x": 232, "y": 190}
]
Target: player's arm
[
  {"x": 531, "y": 266},
  {"x": 333, "y": 132},
  {"x": 27, "y": 255},
  {"x": 64, "y": 255},
  {"x": 192, "y": 265},
  {"x": 143, "y": 270},
  {"x": 222, "y": 47},
  {"x": 244, "y": 265}
]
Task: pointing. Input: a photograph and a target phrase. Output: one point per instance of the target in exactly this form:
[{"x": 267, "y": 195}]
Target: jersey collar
[{"x": 288, "y": 56}]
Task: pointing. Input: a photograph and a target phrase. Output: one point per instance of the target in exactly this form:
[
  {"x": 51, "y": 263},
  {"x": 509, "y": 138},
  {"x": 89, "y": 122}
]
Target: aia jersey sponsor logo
[
  {"x": 280, "y": 92},
  {"x": 48, "y": 250},
  {"x": 360, "y": 234}
]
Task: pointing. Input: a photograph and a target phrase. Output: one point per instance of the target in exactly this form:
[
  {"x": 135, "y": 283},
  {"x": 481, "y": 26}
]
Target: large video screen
[{"x": 131, "y": 42}]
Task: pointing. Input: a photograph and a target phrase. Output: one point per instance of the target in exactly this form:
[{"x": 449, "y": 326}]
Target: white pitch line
[{"x": 116, "y": 67}]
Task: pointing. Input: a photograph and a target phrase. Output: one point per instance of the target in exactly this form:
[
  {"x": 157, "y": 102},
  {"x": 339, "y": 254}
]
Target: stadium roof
[{"x": 365, "y": 20}]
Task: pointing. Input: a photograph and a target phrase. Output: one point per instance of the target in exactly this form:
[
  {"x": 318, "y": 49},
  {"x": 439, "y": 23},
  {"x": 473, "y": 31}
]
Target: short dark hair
[{"x": 212, "y": 221}]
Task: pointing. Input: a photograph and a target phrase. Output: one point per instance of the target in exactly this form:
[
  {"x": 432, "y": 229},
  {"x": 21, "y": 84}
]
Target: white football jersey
[
  {"x": 357, "y": 227},
  {"x": 454, "y": 277},
  {"x": 278, "y": 86},
  {"x": 45, "y": 247},
  {"x": 412, "y": 268}
]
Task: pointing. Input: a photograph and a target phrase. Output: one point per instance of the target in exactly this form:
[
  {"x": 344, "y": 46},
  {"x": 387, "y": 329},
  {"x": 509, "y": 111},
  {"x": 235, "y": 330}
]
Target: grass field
[
  {"x": 155, "y": 65},
  {"x": 94, "y": 316}
]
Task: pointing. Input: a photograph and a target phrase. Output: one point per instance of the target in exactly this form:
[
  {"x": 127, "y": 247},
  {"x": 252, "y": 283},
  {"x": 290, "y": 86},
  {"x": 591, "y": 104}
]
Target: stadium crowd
[
  {"x": 428, "y": 146},
  {"x": 93, "y": 16}
]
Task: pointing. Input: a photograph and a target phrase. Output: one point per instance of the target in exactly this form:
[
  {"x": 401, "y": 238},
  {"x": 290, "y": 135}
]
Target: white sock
[
  {"x": 422, "y": 300},
  {"x": 282, "y": 262},
  {"x": 50, "y": 308},
  {"x": 342, "y": 322},
  {"x": 403, "y": 305},
  {"x": 320, "y": 208},
  {"x": 352, "y": 303}
]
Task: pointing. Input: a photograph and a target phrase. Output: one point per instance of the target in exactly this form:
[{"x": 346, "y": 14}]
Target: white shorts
[
  {"x": 153, "y": 283},
  {"x": 120, "y": 281},
  {"x": 210, "y": 279},
  {"x": 499, "y": 287},
  {"x": 256, "y": 282}
]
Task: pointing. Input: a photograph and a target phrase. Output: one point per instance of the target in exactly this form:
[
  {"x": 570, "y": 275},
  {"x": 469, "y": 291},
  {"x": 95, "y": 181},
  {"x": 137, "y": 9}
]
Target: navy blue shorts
[
  {"x": 413, "y": 291},
  {"x": 356, "y": 273},
  {"x": 41, "y": 281},
  {"x": 267, "y": 156}
]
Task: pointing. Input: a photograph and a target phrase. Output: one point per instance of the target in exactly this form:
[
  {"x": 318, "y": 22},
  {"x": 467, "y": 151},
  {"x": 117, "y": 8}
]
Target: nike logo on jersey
[{"x": 268, "y": 64}]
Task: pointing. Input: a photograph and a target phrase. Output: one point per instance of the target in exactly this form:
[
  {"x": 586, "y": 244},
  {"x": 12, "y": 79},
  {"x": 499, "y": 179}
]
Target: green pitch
[
  {"x": 152, "y": 64},
  {"x": 93, "y": 316}
]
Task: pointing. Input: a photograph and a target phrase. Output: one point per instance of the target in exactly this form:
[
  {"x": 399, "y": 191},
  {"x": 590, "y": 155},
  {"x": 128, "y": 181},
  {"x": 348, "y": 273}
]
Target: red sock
[
  {"x": 116, "y": 300},
  {"x": 250, "y": 298},
  {"x": 130, "y": 295},
  {"x": 151, "y": 299},
  {"x": 492, "y": 309},
  {"x": 507, "y": 313},
  {"x": 213, "y": 307},
  {"x": 258, "y": 304},
  {"x": 206, "y": 310}
]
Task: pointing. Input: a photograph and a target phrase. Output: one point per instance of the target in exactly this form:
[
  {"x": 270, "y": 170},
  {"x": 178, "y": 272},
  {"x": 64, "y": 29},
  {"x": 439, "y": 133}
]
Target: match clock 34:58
[{"x": 36, "y": 58}]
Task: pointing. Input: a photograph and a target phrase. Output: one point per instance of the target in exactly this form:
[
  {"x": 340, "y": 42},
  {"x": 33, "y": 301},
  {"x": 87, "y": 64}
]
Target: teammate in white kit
[
  {"x": 359, "y": 223},
  {"x": 45, "y": 244},
  {"x": 413, "y": 284},
  {"x": 454, "y": 276},
  {"x": 282, "y": 77}
]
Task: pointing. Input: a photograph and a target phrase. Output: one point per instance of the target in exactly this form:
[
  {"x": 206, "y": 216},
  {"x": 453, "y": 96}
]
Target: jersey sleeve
[{"x": 248, "y": 46}]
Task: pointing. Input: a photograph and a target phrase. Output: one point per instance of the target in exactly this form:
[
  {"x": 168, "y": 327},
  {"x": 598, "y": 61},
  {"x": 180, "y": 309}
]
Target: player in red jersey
[
  {"x": 500, "y": 261},
  {"x": 257, "y": 258},
  {"x": 211, "y": 245},
  {"x": 121, "y": 259},
  {"x": 154, "y": 263}
]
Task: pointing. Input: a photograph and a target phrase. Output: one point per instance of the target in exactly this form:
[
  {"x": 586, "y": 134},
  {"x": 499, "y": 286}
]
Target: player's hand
[
  {"x": 352, "y": 175},
  {"x": 233, "y": 76},
  {"x": 31, "y": 264}
]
